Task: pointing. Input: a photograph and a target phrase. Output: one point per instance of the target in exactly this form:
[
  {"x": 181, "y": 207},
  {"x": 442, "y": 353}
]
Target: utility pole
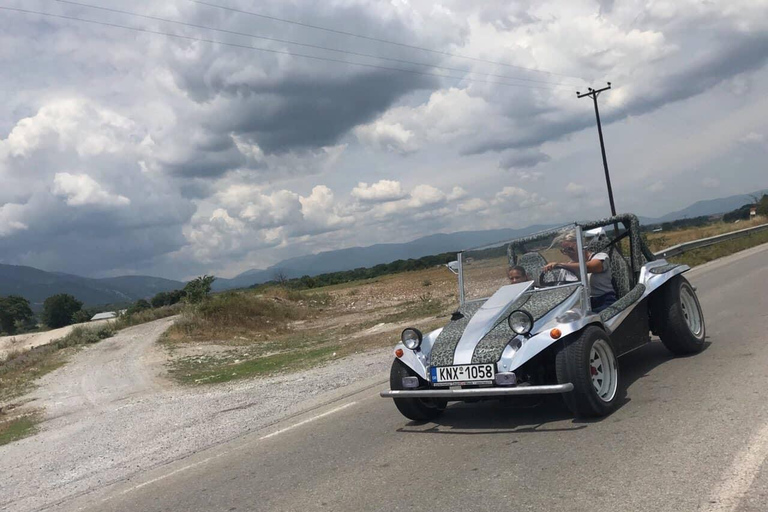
[{"x": 594, "y": 93}]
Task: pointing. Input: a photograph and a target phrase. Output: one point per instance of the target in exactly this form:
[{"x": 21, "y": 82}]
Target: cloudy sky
[{"x": 126, "y": 152}]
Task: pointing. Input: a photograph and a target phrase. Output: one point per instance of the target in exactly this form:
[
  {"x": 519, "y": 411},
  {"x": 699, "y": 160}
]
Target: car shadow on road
[{"x": 537, "y": 414}]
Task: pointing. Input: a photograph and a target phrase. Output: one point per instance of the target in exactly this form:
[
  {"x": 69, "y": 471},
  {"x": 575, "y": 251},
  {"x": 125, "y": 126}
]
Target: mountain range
[{"x": 36, "y": 285}]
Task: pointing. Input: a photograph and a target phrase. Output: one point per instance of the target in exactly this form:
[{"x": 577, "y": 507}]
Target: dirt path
[
  {"x": 128, "y": 364},
  {"x": 109, "y": 414}
]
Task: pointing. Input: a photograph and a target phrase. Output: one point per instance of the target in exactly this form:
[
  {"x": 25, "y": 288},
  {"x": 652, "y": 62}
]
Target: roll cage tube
[
  {"x": 587, "y": 304},
  {"x": 460, "y": 258}
]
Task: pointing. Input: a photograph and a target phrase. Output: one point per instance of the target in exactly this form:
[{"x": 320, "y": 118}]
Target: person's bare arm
[{"x": 593, "y": 266}]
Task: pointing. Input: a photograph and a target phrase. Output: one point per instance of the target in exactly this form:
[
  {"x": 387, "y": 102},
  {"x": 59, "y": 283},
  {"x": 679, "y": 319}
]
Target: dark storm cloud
[
  {"x": 523, "y": 159},
  {"x": 297, "y": 115}
]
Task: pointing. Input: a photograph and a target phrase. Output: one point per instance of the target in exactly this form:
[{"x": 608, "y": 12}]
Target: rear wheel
[
  {"x": 588, "y": 361},
  {"x": 418, "y": 409},
  {"x": 680, "y": 320}
]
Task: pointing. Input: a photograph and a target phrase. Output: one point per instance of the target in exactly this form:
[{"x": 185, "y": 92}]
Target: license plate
[{"x": 463, "y": 374}]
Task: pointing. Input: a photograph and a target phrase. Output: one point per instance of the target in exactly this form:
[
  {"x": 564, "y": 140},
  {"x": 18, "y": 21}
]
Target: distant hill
[
  {"x": 707, "y": 207},
  {"x": 36, "y": 285},
  {"x": 357, "y": 257}
]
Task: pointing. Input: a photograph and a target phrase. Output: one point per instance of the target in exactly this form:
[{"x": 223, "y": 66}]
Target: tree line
[{"x": 358, "y": 274}]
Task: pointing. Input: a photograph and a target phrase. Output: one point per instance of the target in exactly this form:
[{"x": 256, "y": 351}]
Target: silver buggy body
[{"x": 542, "y": 336}]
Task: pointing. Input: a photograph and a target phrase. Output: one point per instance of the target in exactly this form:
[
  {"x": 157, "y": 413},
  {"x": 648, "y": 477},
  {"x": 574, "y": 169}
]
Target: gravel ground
[{"x": 110, "y": 414}]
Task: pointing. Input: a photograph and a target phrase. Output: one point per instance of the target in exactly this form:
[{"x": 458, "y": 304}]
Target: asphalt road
[{"x": 692, "y": 435}]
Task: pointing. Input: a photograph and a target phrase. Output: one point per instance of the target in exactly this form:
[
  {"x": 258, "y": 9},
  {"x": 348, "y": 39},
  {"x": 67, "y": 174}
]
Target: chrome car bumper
[{"x": 459, "y": 394}]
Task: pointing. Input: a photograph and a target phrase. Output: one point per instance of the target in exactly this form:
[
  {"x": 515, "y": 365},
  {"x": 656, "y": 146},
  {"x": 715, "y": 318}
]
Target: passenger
[
  {"x": 601, "y": 290},
  {"x": 517, "y": 274}
]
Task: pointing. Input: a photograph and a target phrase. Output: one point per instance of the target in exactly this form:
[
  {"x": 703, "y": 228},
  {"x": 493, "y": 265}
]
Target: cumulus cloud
[
  {"x": 379, "y": 192},
  {"x": 82, "y": 190},
  {"x": 515, "y": 198},
  {"x": 9, "y": 221},
  {"x": 390, "y": 137},
  {"x": 473, "y": 205},
  {"x": 423, "y": 195}
]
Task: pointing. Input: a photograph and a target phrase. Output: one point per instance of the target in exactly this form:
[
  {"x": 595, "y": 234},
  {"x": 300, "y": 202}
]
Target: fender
[{"x": 418, "y": 361}]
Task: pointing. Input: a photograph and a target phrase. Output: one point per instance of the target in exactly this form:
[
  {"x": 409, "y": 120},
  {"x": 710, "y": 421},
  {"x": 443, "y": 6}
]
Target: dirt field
[{"x": 311, "y": 326}]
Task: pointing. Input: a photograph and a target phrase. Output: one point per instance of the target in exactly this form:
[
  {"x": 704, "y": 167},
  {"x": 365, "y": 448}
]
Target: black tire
[
  {"x": 417, "y": 409},
  {"x": 573, "y": 364},
  {"x": 678, "y": 318}
]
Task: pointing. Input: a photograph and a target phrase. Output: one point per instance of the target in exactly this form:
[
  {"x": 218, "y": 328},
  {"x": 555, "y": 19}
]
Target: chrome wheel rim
[
  {"x": 691, "y": 311},
  {"x": 603, "y": 370}
]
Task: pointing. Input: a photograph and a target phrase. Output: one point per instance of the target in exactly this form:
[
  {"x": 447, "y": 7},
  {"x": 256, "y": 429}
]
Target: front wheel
[
  {"x": 417, "y": 409},
  {"x": 587, "y": 360},
  {"x": 679, "y": 313}
]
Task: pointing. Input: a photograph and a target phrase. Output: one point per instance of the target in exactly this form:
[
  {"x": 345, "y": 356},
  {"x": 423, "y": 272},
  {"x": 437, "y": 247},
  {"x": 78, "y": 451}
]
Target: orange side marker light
[
  {"x": 399, "y": 352},
  {"x": 555, "y": 333}
]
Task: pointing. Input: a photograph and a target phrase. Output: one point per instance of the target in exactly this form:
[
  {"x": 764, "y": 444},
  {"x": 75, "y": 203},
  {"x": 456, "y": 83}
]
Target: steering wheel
[{"x": 557, "y": 277}]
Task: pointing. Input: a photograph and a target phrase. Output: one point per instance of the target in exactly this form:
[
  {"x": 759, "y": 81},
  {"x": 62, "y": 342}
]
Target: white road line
[
  {"x": 308, "y": 420},
  {"x": 222, "y": 453},
  {"x": 740, "y": 475}
]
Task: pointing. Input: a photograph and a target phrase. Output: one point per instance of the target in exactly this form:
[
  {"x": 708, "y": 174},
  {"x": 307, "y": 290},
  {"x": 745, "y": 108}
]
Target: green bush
[
  {"x": 198, "y": 289},
  {"x": 14, "y": 313},
  {"x": 138, "y": 306},
  {"x": 81, "y": 317},
  {"x": 58, "y": 310},
  {"x": 82, "y": 335},
  {"x": 167, "y": 298}
]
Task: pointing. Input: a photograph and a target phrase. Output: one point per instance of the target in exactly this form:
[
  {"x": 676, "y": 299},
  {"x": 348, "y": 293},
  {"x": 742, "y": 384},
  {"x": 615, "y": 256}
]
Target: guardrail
[{"x": 704, "y": 242}]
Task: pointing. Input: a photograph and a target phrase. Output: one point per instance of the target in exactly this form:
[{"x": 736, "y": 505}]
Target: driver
[{"x": 601, "y": 290}]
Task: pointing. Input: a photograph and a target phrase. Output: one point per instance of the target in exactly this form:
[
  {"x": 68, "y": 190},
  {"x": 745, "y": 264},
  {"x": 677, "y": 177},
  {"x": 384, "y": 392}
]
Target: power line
[
  {"x": 268, "y": 50},
  {"x": 378, "y": 40},
  {"x": 307, "y": 45}
]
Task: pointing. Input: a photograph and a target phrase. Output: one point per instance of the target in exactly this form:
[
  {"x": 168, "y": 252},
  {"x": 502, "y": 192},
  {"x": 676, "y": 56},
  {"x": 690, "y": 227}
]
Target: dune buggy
[{"x": 541, "y": 336}]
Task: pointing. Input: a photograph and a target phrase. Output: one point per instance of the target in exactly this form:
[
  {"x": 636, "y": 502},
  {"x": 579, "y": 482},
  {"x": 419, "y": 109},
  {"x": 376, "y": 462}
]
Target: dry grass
[
  {"x": 713, "y": 252},
  {"x": 665, "y": 239},
  {"x": 243, "y": 333},
  {"x": 147, "y": 315}
]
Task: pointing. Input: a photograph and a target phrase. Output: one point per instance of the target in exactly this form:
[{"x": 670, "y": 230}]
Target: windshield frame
[{"x": 539, "y": 235}]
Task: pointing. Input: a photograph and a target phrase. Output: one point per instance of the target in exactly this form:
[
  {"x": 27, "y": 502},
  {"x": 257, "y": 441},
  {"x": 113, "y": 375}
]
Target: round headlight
[
  {"x": 521, "y": 322},
  {"x": 411, "y": 338}
]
